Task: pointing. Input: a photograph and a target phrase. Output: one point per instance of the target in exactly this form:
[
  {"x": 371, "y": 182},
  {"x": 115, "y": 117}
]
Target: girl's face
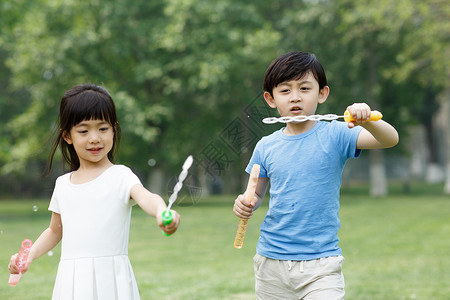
[{"x": 92, "y": 140}]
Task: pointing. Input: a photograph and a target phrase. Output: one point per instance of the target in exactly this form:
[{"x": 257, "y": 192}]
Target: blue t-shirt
[{"x": 305, "y": 173}]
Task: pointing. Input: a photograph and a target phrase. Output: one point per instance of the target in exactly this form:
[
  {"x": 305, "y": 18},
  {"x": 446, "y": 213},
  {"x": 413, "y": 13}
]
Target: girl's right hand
[
  {"x": 12, "y": 267},
  {"x": 242, "y": 208}
]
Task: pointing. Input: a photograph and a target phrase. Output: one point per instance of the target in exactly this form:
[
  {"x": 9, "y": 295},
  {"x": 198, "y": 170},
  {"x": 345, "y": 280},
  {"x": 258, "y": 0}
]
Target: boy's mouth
[{"x": 296, "y": 109}]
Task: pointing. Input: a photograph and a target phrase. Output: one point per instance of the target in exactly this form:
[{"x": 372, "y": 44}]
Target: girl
[{"x": 91, "y": 205}]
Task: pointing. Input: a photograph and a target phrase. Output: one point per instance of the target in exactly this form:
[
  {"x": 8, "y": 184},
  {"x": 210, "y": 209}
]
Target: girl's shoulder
[
  {"x": 64, "y": 177},
  {"x": 120, "y": 169}
]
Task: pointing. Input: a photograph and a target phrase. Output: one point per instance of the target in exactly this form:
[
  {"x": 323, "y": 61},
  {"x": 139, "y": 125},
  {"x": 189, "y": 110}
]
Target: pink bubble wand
[{"x": 21, "y": 260}]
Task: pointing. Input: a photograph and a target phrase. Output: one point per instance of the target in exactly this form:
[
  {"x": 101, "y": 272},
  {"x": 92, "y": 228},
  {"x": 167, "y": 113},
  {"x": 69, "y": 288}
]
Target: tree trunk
[
  {"x": 445, "y": 105},
  {"x": 378, "y": 182},
  {"x": 156, "y": 181},
  {"x": 378, "y": 185}
]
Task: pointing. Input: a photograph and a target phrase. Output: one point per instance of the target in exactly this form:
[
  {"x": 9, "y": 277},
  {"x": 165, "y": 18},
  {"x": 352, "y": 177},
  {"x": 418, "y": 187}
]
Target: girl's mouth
[{"x": 95, "y": 150}]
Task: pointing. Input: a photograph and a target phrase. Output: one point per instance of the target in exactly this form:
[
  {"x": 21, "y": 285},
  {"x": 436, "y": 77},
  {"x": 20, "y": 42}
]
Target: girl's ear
[
  {"x": 66, "y": 137},
  {"x": 269, "y": 99},
  {"x": 323, "y": 94}
]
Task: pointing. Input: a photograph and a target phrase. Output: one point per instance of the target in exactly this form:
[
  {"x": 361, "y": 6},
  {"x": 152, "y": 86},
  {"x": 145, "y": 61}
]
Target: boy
[{"x": 298, "y": 256}]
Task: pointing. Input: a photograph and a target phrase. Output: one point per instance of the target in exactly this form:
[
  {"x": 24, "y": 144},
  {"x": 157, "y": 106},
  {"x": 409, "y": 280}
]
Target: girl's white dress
[{"x": 95, "y": 223}]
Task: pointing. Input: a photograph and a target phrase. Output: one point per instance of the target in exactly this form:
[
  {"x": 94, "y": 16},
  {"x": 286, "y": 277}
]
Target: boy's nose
[{"x": 295, "y": 97}]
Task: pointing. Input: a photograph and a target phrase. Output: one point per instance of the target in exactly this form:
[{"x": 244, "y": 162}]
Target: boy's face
[{"x": 297, "y": 97}]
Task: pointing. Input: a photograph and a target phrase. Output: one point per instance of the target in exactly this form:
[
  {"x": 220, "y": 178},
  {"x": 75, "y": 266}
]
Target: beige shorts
[{"x": 319, "y": 279}]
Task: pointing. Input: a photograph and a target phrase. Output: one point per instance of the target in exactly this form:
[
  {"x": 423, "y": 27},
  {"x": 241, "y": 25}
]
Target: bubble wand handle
[
  {"x": 167, "y": 214},
  {"x": 374, "y": 116},
  {"x": 248, "y": 195},
  {"x": 21, "y": 260}
]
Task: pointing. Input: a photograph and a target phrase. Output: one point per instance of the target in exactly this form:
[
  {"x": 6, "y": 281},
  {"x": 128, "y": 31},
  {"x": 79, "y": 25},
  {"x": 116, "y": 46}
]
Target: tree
[{"x": 163, "y": 62}]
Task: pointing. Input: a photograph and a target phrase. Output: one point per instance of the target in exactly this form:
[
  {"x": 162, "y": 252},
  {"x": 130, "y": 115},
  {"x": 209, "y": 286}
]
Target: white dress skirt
[{"x": 95, "y": 218}]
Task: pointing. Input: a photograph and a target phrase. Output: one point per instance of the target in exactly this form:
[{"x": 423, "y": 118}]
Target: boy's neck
[{"x": 298, "y": 128}]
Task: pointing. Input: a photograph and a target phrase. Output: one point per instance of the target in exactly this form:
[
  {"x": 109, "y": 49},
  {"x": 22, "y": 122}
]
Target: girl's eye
[
  {"x": 82, "y": 131},
  {"x": 104, "y": 129}
]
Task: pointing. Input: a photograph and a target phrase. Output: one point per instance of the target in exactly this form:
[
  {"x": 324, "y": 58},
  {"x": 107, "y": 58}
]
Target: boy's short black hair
[{"x": 293, "y": 66}]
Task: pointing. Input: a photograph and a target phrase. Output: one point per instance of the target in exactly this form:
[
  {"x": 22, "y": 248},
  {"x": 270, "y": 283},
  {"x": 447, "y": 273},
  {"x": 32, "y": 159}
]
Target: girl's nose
[{"x": 94, "y": 138}]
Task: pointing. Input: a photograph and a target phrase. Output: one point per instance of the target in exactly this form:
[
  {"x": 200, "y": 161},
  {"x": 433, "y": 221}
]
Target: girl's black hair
[
  {"x": 80, "y": 103},
  {"x": 293, "y": 66}
]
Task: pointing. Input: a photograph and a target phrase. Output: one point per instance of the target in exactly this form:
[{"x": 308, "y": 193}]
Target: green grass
[{"x": 395, "y": 248}]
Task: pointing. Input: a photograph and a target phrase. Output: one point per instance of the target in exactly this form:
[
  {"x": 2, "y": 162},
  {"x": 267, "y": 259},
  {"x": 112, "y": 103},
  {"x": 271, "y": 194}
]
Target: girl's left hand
[
  {"x": 172, "y": 226},
  {"x": 360, "y": 112}
]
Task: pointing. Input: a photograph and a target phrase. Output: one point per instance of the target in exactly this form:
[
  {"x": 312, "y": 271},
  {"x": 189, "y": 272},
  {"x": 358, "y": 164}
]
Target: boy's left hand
[
  {"x": 172, "y": 226},
  {"x": 360, "y": 112}
]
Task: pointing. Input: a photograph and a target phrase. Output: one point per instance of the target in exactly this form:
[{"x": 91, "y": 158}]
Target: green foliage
[{"x": 180, "y": 71}]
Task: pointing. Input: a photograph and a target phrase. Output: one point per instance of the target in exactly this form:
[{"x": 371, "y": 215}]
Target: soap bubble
[{"x": 151, "y": 162}]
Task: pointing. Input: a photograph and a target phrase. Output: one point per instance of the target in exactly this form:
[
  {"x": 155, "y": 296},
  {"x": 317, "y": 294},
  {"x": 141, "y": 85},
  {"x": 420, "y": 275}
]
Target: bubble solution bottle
[{"x": 21, "y": 260}]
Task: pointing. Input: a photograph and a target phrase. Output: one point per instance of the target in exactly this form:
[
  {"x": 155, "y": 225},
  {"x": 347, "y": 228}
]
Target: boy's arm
[
  {"x": 375, "y": 134},
  {"x": 260, "y": 191},
  {"x": 242, "y": 208}
]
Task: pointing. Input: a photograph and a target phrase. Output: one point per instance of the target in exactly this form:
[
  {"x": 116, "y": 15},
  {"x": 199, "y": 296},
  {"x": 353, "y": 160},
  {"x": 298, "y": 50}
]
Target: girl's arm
[
  {"x": 154, "y": 205},
  {"x": 375, "y": 134},
  {"x": 46, "y": 242},
  {"x": 242, "y": 208}
]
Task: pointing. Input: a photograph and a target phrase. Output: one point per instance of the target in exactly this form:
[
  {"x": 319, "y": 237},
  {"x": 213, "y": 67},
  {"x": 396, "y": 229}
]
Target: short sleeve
[
  {"x": 54, "y": 205},
  {"x": 129, "y": 179},
  {"x": 257, "y": 159},
  {"x": 346, "y": 139}
]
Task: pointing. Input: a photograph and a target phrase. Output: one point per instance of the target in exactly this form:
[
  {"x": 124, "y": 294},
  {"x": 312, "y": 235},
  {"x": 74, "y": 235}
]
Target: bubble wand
[
  {"x": 21, "y": 260},
  {"x": 374, "y": 116},
  {"x": 249, "y": 195},
  {"x": 167, "y": 214}
]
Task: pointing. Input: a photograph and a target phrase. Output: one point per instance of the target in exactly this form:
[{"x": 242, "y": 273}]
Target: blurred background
[{"x": 186, "y": 77}]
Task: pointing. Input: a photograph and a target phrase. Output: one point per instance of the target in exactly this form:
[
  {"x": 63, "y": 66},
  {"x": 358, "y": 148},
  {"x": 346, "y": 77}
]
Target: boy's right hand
[{"x": 242, "y": 208}]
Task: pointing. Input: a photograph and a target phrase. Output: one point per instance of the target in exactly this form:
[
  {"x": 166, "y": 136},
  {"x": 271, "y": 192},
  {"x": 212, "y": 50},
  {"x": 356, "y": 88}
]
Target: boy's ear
[
  {"x": 66, "y": 137},
  {"x": 323, "y": 94},
  {"x": 269, "y": 99}
]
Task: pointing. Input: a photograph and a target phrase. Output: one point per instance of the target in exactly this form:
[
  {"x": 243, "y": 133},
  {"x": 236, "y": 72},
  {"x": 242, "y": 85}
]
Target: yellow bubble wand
[
  {"x": 248, "y": 195},
  {"x": 374, "y": 116}
]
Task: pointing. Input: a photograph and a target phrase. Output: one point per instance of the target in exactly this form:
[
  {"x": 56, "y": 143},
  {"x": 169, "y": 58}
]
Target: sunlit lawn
[{"x": 395, "y": 248}]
